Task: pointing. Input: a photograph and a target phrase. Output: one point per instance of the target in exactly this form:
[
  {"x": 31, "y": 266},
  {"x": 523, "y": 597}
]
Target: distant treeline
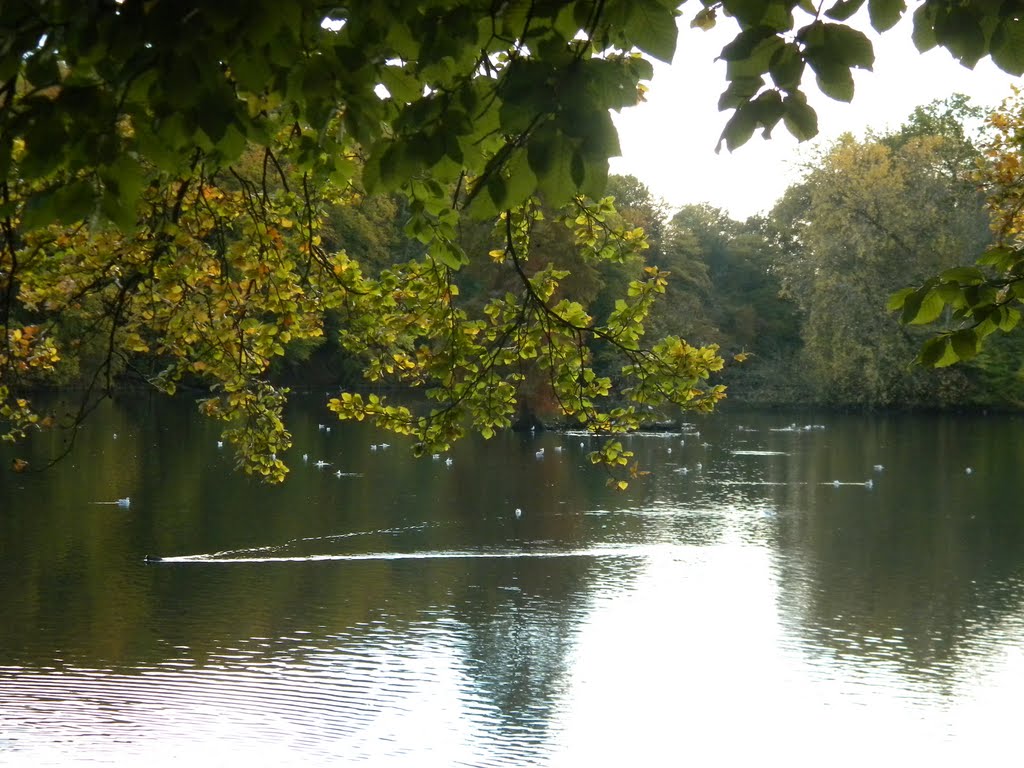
[{"x": 798, "y": 294}]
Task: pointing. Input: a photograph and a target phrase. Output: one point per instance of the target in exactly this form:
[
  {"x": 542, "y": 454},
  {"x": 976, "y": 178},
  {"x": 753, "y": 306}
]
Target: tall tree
[
  {"x": 866, "y": 217},
  {"x": 125, "y": 198},
  {"x": 971, "y": 303}
]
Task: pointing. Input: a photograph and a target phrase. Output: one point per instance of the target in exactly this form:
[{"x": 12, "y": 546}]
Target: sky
[{"x": 669, "y": 141}]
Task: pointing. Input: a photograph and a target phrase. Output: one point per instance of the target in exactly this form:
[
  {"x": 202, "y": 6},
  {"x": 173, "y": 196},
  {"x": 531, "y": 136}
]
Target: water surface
[{"x": 755, "y": 597}]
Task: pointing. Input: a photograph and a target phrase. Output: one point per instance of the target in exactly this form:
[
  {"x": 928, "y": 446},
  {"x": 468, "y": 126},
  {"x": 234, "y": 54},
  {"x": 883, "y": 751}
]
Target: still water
[{"x": 754, "y": 598}]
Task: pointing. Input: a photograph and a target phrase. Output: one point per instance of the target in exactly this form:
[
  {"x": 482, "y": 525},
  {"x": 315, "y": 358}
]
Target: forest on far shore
[{"x": 799, "y": 294}]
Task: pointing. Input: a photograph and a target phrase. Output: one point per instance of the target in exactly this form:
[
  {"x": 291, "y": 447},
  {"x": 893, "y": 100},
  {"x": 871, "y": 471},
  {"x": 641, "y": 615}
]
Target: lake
[{"x": 805, "y": 589}]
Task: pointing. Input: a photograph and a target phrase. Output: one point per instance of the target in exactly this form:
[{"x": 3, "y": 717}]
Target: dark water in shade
[{"x": 753, "y": 599}]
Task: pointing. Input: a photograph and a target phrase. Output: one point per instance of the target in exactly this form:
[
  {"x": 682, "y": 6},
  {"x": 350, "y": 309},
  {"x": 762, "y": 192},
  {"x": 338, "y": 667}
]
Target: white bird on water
[
  {"x": 879, "y": 467},
  {"x": 519, "y": 513},
  {"x": 539, "y": 454},
  {"x": 448, "y": 461},
  {"x": 321, "y": 464},
  {"x": 969, "y": 470},
  {"x": 123, "y": 503}
]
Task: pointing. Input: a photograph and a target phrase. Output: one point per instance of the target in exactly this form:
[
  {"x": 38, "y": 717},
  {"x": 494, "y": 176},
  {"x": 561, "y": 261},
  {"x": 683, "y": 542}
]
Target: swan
[
  {"x": 969, "y": 470},
  {"x": 879, "y": 467},
  {"x": 449, "y": 461},
  {"x": 519, "y": 513},
  {"x": 539, "y": 454}
]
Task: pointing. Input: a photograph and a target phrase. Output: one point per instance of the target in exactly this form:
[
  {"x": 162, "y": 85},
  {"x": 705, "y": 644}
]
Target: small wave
[{"x": 430, "y": 555}]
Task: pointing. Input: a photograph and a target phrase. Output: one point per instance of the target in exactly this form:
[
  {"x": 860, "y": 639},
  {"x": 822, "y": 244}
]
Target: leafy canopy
[
  {"x": 972, "y": 302},
  {"x": 166, "y": 169}
]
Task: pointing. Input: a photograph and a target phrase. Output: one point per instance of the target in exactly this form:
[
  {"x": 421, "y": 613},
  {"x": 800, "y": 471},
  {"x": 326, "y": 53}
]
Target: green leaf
[
  {"x": 739, "y": 128},
  {"x": 758, "y": 62},
  {"x": 963, "y": 276},
  {"x": 75, "y": 202},
  {"x": 848, "y": 47},
  {"x": 739, "y": 92},
  {"x": 743, "y": 45},
  {"x": 769, "y": 110},
  {"x": 705, "y": 19},
  {"x": 844, "y": 9},
  {"x": 959, "y": 30},
  {"x": 651, "y": 27},
  {"x": 761, "y": 13},
  {"x": 447, "y": 253},
  {"x": 926, "y": 311},
  {"x": 964, "y": 344},
  {"x": 924, "y": 28},
  {"x": 541, "y": 151},
  {"x": 1000, "y": 258},
  {"x": 550, "y": 157},
  {"x": 799, "y": 118},
  {"x": 932, "y": 351},
  {"x": 885, "y": 13},
  {"x": 124, "y": 178},
  {"x": 1009, "y": 320},
  {"x": 1008, "y": 46},
  {"x": 835, "y": 81},
  {"x": 787, "y": 66},
  {"x": 896, "y": 300}
]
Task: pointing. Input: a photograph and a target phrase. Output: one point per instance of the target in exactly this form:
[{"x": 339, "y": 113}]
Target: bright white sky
[{"x": 669, "y": 141}]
